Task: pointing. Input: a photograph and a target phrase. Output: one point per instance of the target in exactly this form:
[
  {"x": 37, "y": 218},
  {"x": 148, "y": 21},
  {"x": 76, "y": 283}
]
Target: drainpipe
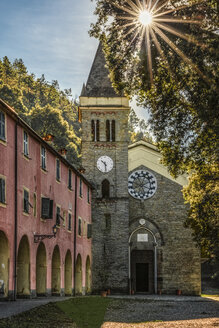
[
  {"x": 75, "y": 225},
  {"x": 15, "y": 215}
]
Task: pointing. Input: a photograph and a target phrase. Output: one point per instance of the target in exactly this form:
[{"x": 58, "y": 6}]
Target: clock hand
[{"x": 105, "y": 164}]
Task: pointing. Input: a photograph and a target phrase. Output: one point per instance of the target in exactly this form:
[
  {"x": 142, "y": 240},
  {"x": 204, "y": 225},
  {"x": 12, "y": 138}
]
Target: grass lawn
[
  {"x": 78, "y": 312},
  {"x": 87, "y": 312}
]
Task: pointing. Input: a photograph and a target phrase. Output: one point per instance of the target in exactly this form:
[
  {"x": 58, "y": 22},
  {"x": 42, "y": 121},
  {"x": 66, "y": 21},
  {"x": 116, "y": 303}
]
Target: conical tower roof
[{"x": 98, "y": 83}]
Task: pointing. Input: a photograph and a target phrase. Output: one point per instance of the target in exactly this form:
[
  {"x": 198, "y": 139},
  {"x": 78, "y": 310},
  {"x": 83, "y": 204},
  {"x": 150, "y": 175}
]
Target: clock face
[
  {"x": 104, "y": 164},
  {"x": 142, "y": 184}
]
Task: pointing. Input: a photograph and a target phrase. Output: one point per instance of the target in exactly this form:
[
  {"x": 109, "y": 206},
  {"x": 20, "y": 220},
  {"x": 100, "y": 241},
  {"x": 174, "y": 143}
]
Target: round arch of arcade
[
  {"x": 145, "y": 249},
  {"x": 4, "y": 264},
  {"x": 44, "y": 275}
]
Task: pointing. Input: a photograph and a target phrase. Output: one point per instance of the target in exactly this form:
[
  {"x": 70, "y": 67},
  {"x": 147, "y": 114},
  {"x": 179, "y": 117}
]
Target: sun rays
[{"x": 153, "y": 21}]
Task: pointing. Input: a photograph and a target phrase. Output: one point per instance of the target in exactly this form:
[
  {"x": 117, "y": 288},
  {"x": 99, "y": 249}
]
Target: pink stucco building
[{"x": 45, "y": 216}]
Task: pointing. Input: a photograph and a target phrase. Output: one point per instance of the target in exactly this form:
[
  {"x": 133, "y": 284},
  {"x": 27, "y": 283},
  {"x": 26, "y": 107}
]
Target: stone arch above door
[{"x": 151, "y": 227}]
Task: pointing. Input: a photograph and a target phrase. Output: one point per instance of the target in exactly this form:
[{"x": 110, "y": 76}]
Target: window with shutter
[
  {"x": 26, "y": 201},
  {"x": 69, "y": 179},
  {"x": 69, "y": 221},
  {"x": 79, "y": 227},
  {"x": 34, "y": 205},
  {"x": 58, "y": 169},
  {"x": 89, "y": 231},
  {"x": 2, "y": 126},
  {"x": 81, "y": 188},
  {"x": 25, "y": 143},
  {"x": 58, "y": 211},
  {"x": 50, "y": 209},
  {"x": 43, "y": 158},
  {"x": 88, "y": 194},
  {"x": 46, "y": 208},
  {"x": 2, "y": 190}
]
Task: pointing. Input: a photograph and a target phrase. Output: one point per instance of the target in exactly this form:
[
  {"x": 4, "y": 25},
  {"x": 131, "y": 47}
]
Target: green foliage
[
  {"x": 202, "y": 194},
  {"x": 183, "y": 98},
  {"x": 46, "y": 108},
  {"x": 138, "y": 128}
]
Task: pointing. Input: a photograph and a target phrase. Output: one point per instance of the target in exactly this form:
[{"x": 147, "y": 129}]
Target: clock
[
  {"x": 142, "y": 184},
  {"x": 104, "y": 164}
]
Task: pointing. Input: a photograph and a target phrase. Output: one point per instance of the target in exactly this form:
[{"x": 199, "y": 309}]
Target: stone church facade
[{"x": 139, "y": 243}]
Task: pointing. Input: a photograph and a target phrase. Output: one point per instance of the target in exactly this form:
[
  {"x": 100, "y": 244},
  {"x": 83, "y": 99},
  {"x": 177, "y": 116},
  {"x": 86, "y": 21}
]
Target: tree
[
  {"x": 173, "y": 69},
  {"x": 138, "y": 128},
  {"x": 202, "y": 195},
  {"x": 49, "y": 120},
  {"x": 42, "y": 105}
]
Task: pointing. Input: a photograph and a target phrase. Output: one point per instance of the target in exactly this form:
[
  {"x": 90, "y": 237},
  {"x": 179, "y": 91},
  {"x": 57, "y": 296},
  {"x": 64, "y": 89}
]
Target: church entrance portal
[
  {"x": 142, "y": 283},
  {"x": 142, "y": 271}
]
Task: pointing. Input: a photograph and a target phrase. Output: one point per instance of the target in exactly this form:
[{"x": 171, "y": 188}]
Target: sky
[{"x": 51, "y": 37}]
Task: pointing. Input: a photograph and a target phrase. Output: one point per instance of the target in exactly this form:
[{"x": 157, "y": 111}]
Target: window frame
[
  {"x": 43, "y": 158},
  {"x": 64, "y": 219},
  {"x": 3, "y": 201},
  {"x": 25, "y": 143},
  {"x": 69, "y": 221},
  {"x": 34, "y": 204},
  {"x": 110, "y": 130},
  {"x": 105, "y": 189},
  {"x": 81, "y": 188},
  {"x": 79, "y": 227},
  {"x": 26, "y": 210},
  {"x": 69, "y": 179},
  {"x": 58, "y": 220},
  {"x": 50, "y": 208},
  {"x": 95, "y": 130},
  {"x": 58, "y": 170},
  {"x": 88, "y": 194},
  {"x": 3, "y": 125}
]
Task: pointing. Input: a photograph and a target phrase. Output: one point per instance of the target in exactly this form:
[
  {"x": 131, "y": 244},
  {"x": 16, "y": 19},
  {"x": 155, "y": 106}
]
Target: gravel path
[{"x": 176, "y": 312}]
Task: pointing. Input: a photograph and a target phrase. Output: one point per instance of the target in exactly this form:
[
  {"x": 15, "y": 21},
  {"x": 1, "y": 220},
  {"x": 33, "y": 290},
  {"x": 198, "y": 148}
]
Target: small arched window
[
  {"x": 110, "y": 130},
  {"x": 105, "y": 188},
  {"x": 113, "y": 130},
  {"x": 107, "y": 130},
  {"x": 95, "y": 130}
]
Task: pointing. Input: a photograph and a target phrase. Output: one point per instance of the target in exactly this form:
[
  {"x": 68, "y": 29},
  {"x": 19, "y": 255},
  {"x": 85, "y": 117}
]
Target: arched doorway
[
  {"x": 4, "y": 265},
  {"x": 88, "y": 276},
  {"x": 68, "y": 273},
  {"x": 41, "y": 270},
  {"x": 23, "y": 267},
  {"x": 56, "y": 275},
  {"x": 143, "y": 261},
  {"x": 78, "y": 276}
]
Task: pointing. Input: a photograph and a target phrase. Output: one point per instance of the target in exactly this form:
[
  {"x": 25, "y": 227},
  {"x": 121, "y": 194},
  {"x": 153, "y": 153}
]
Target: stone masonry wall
[
  {"x": 110, "y": 217},
  {"x": 179, "y": 259}
]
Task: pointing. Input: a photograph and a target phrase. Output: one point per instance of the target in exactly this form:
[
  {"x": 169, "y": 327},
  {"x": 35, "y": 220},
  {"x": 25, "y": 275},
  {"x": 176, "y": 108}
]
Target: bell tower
[{"x": 104, "y": 117}]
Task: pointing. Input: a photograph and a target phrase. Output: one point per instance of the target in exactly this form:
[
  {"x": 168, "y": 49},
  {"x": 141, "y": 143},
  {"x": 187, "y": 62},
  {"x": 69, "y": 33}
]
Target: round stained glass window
[{"x": 142, "y": 184}]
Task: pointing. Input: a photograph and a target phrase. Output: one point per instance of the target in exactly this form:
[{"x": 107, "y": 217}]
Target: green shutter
[
  {"x": 89, "y": 230},
  {"x": 45, "y": 207},
  {"x": 2, "y": 190}
]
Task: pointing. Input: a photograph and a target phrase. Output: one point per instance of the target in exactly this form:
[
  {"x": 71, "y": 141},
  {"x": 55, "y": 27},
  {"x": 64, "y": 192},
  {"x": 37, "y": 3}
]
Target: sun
[
  {"x": 145, "y": 17},
  {"x": 151, "y": 21}
]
